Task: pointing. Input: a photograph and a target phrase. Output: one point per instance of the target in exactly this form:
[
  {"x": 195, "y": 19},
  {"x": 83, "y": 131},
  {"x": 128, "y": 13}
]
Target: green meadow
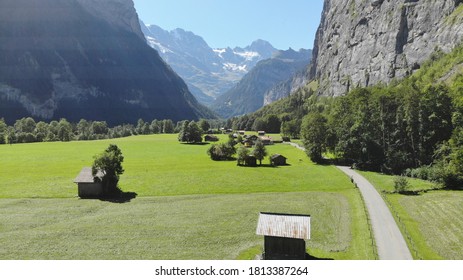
[
  {"x": 187, "y": 206},
  {"x": 430, "y": 220}
]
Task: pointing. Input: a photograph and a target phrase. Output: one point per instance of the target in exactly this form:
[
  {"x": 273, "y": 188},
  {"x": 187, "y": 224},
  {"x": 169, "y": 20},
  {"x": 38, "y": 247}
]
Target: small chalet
[
  {"x": 278, "y": 160},
  {"x": 211, "y": 138},
  {"x": 250, "y": 161},
  {"x": 261, "y": 133},
  {"x": 89, "y": 186},
  {"x": 248, "y": 143},
  {"x": 266, "y": 140},
  {"x": 284, "y": 235},
  {"x": 252, "y": 137},
  {"x": 249, "y": 140}
]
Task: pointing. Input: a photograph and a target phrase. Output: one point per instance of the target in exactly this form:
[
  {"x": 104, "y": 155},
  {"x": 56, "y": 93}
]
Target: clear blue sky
[{"x": 231, "y": 23}]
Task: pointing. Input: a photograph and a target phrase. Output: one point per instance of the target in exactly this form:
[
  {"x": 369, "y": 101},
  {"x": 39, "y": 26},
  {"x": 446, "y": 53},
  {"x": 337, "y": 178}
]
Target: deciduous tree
[
  {"x": 314, "y": 135},
  {"x": 110, "y": 164},
  {"x": 260, "y": 152}
]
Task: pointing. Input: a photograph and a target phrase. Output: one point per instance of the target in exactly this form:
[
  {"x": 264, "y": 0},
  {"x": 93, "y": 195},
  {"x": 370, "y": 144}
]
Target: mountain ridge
[
  {"x": 209, "y": 72},
  {"x": 271, "y": 80},
  {"x": 61, "y": 61}
]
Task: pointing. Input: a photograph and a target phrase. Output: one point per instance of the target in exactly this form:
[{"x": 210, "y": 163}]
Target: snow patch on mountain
[
  {"x": 208, "y": 72},
  {"x": 235, "y": 68},
  {"x": 156, "y": 45},
  {"x": 220, "y": 52},
  {"x": 248, "y": 56}
]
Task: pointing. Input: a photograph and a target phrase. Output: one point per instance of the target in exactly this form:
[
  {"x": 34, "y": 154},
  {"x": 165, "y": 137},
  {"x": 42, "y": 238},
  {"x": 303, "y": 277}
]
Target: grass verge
[{"x": 430, "y": 221}]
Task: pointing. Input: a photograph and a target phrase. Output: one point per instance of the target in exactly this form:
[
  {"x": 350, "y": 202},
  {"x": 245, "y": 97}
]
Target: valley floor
[
  {"x": 179, "y": 227},
  {"x": 190, "y": 207},
  {"x": 187, "y": 206}
]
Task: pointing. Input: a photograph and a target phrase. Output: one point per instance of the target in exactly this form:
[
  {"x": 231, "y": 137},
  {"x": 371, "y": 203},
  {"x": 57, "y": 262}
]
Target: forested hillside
[{"x": 413, "y": 126}]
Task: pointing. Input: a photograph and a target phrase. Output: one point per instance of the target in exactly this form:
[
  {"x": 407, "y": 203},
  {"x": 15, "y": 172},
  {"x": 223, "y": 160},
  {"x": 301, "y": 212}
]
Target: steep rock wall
[
  {"x": 59, "y": 59},
  {"x": 119, "y": 13},
  {"x": 362, "y": 43}
]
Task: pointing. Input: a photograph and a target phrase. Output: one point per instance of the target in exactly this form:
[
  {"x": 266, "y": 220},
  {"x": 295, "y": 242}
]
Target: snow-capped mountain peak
[{"x": 208, "y": 72}]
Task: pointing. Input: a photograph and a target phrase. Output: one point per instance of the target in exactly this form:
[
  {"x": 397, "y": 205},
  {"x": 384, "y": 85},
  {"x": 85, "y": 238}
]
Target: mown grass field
[
  {"x": 430, "y": 221},
  {"x": 188, "y": 206}
]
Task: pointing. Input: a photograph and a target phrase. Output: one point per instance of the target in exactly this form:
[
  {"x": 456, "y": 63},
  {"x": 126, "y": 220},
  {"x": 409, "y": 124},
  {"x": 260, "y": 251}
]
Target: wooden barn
[
  {"x": 278, "y": 160},
  {"x": 87, "y": 185},
  {"x": 266, "y": 140},
  {"x": 211, "y": 138},
  {"x": 250, "y": 161},
  {"x": 284, "y": 235}
]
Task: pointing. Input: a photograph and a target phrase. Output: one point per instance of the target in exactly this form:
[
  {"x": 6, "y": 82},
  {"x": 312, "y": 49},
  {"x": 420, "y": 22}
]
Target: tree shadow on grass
[
  {"x": 412, "y": 193},
  {"x": 307, "y": 257},
  {"x": 120, "y": 197},
  {"x": 196, "y": 144},
  {"x": 255, "y": 166},
  {"x": 314, "y": 258},
  {"x": 263, "y": 166}
]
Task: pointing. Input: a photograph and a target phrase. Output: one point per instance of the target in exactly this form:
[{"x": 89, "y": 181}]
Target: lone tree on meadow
[
  {"x": 190, "y": 133},
  {"x": 259, "y": 152},
  {"x": 242, "y": 155},
  {"x": 109, "y": 163}
]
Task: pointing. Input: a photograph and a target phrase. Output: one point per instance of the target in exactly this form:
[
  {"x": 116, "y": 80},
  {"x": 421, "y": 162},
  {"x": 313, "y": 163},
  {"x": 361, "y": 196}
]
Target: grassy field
[
  {"x": 155, "y": 166},
  {"x": 430, "y": 221},
  {"x": 188, "y": 206}
]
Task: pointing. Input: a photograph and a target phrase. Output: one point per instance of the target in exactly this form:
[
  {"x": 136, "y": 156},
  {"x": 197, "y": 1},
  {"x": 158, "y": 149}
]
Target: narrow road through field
[
  {"x": 389, "y": 240},
  {"x": 390, "y": 243}
]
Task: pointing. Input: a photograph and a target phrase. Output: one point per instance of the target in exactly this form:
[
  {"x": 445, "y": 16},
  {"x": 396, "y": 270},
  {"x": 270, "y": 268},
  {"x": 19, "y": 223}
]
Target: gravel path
[
  {"x": 390, "y": 243},
  {"x": 389, "y": 240}
]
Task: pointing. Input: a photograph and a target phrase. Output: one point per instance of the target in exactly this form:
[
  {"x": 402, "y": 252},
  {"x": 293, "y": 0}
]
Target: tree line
[
  {"x": 283, "y": 116},
  {"x": 27, "y": 130},
  {"x": 404, "y": 129}
]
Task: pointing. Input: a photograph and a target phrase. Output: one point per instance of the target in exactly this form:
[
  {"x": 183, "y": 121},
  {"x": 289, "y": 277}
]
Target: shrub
[
  {"x": 400, "y": 184},
  {"x": 223, "y": 151}
]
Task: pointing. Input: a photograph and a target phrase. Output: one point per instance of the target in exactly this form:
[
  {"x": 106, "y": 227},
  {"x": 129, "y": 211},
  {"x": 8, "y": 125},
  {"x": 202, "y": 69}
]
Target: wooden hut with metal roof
[
  {"x": 250, "y": 161},
  {"x": 89, "y": 186},
  {"x": 284, "y": 235},
  {"x": 278, "y": 159}
]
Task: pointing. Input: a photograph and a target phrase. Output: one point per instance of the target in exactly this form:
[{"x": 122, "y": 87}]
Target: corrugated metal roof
[
  {"x": 85, "y": 176},
  {"x": 277, "y": 156},
  {"x": 284, "y": 225}
]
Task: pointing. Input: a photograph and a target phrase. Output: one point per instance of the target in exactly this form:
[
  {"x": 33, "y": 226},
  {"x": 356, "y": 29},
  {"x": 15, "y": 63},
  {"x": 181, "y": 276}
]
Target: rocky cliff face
[
  {"x": 284, "y": 89},
  {"x": 84, "y": 59},
  {"x": 361, "y": 43},
  {"x": 119, "y": 13}
]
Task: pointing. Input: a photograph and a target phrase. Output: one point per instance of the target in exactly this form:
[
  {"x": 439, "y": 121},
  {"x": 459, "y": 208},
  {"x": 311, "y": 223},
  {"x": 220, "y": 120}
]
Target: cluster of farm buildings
[{"x": 245, "y": 139}]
